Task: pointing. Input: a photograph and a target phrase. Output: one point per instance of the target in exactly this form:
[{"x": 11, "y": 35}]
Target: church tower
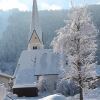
[{"x": 35, "y": 36}]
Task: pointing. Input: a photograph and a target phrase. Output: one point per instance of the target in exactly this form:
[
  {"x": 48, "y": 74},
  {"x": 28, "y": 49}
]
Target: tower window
[{"x": 34, "y": 47}]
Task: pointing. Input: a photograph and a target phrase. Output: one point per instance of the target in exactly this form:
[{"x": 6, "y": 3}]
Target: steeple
[{"x": 35, "y": 36}]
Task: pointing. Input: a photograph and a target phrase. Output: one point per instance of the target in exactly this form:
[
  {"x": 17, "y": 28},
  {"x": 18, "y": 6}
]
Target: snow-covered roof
[
  {"x": 24, "y": 85},
  {"x": 36, "y": 62},
  {"x": 5, "y": 75}
]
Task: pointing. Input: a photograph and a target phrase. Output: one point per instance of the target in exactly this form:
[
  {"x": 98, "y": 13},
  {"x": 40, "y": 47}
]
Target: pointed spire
[
  {"x": 35, "y": 36},
  {"x": 35, "y": 24}
]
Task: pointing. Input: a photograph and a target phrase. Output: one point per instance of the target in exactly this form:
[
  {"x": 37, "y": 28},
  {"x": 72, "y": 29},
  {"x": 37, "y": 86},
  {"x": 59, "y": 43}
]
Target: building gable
[
  {"x": 34, "y": 38},
  {"x": 35, "y": 42}
]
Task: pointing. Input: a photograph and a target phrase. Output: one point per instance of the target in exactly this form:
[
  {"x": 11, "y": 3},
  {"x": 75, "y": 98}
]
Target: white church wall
[
  {"x": 47, "y": 83},
  {"x": 38, "y": 45},
  {"x": 2, "y": 92}
]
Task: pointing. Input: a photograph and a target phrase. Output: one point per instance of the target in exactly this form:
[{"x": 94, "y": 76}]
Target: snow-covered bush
[
  {"x": 2, "y": 92},
  {"x": 67, "y": 87}
]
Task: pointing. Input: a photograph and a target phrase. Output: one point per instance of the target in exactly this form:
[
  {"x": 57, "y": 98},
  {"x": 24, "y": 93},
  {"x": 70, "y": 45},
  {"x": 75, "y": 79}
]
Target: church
[{"x": 35, "y": 62}]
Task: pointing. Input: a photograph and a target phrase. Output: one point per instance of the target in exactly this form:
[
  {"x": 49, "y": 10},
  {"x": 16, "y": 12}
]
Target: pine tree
[{"x": 77, "y": 40}]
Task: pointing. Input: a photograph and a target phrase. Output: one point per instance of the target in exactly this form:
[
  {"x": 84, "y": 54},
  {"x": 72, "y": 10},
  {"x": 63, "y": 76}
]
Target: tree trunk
[
  {"x": 78, "y": 64},
  {"x": 80, "y": 80},
  {"x": 81, "y": 92},
  {"x": 81, "y": 85}
]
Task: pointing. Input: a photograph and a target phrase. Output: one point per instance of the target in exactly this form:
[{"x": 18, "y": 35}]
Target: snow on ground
[
  {"x": 90, "y": 95},
  {"x": 93, "y": 94},
  {"x": 51, "y": 97},
  {"x": 54, "y": 97}
]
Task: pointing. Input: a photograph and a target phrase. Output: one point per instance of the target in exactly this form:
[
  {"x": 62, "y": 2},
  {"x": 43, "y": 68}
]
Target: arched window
[{"x": 34, "y": 47}]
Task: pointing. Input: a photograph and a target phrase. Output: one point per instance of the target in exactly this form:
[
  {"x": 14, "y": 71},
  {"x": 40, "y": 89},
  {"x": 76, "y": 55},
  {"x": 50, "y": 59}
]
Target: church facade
[{"x": 35, "y": 63}]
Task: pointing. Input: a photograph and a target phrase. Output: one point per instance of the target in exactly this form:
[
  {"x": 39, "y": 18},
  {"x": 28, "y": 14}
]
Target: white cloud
[
  {"x": 10, "y": 4},
  {"x": 98, "y": 3},
  {"x": 46, "y": 6},
  {"x": 23, "y": 6}
]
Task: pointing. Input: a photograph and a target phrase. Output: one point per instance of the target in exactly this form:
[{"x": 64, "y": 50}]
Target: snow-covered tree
[{"x": 77, "y": 40}]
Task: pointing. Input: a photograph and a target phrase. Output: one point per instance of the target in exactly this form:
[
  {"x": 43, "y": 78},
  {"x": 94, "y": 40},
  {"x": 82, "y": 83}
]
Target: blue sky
[{"x": 42, "y": 4}]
